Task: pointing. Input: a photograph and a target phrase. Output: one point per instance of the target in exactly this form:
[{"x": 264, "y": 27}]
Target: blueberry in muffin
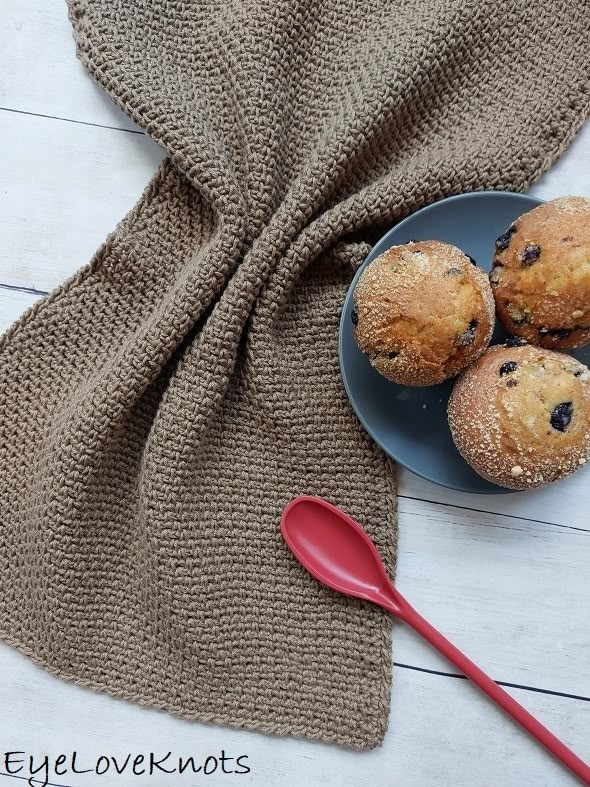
[
  {"x": 422, "y": 312},
  {"x": 541, "y": 274},
  {"x": 520, "y": 415}
]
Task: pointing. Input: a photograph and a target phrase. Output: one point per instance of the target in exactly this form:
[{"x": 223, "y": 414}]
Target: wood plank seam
[
  {"x": 494, "y": 513},
  {"x": 71, "y": 120},
  {"x": 505, "y": 683},
  {"x": 19, "y": 288}
]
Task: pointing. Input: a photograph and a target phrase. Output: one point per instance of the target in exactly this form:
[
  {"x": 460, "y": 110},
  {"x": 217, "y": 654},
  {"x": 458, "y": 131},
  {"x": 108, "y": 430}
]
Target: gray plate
[{"x": 410, "y": 424}]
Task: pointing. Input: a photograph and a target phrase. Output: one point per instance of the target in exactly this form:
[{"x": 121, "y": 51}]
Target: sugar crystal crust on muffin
[
  {"x": 541, "y": 274},
  {"x": 520, "y": 415},
  {"x": 422, "y": 312}
]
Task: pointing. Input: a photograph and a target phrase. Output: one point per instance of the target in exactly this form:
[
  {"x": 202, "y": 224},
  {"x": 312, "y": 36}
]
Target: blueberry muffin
[
  {"x": 422, "y": 312},
  {"x": 541, "y": 274},
  {"x": 520, "y": 415}
]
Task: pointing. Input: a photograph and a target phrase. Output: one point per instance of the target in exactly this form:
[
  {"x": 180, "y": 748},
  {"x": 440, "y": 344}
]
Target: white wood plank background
[{"x": 503, "y": 576}]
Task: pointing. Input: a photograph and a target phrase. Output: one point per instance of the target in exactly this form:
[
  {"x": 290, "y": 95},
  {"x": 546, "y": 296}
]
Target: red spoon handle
[{"x": 407, "y": 613}]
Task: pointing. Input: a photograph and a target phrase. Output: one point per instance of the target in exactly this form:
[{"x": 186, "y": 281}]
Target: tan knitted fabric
[{"x": 159, "y": 410}]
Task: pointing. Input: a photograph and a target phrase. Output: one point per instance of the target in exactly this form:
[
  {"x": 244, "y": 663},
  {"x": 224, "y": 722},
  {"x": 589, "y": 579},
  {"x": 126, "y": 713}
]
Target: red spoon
[{"x": 338, "y": 552}]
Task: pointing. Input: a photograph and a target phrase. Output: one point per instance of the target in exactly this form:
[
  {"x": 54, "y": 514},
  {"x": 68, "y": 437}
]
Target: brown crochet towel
[{"x": 159, "y": 410}]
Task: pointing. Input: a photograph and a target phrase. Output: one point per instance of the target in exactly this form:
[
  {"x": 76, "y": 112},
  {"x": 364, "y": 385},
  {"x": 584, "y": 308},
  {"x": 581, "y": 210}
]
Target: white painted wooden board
[
  {"x": 12, "y": 304},
  {"x": 39, "y": 71},
  {"x": 72, "y": 184},
  {"x": 565, "y": 503},
  {"x": 512, "y": 593},
  {"x": 504, "y": 576}
]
